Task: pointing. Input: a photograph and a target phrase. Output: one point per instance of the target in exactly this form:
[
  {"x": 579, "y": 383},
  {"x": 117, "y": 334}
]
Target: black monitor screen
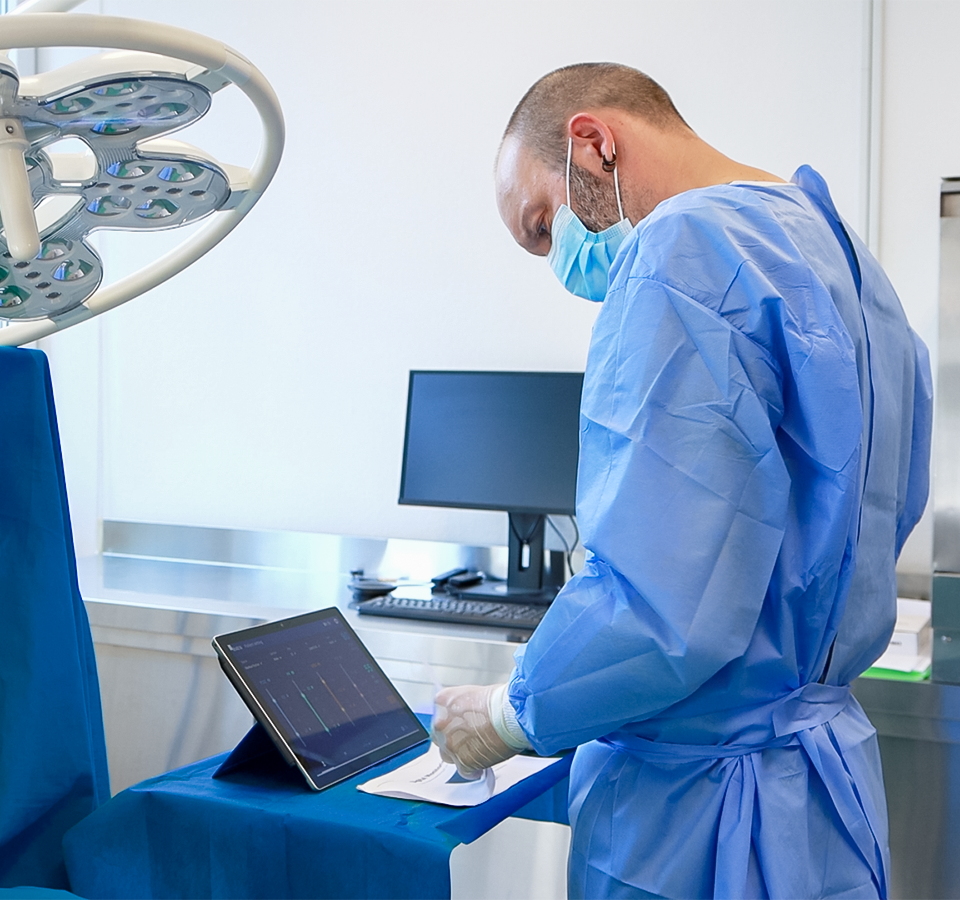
[{"x": 493, "y": 440}]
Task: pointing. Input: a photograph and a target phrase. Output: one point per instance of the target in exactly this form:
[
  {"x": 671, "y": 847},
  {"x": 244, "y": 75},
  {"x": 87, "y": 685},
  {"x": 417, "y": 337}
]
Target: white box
[
  {"x": 912, "y": 634},
  {"x": 910, "y": 645}
]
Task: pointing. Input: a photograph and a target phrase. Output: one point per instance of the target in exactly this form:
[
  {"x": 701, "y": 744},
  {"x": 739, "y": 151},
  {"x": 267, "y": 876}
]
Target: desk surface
[
  {"x": 250, "y": 593},
  {"x": 264, "y": 834}
]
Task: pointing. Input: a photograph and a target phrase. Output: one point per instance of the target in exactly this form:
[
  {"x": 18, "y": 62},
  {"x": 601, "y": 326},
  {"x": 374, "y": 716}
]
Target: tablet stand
[{"x": 255, "y": 753}]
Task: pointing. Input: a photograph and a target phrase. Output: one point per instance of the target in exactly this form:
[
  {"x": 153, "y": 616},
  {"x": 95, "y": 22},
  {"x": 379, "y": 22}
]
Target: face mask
[{"x": 581, "y": 259}]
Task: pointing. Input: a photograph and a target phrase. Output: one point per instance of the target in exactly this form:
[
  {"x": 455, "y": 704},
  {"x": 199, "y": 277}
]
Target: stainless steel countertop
[{"x": 192, "y": 600}]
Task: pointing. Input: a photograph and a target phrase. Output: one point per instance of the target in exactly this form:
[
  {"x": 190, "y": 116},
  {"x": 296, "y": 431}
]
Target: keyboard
[{"x": 444, "y": 608}]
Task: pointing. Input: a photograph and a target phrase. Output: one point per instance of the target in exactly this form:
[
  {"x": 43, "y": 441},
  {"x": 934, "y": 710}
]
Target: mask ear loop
[
  {"x": 616, "y": 180},
  {"x": 613, "y": 163}
]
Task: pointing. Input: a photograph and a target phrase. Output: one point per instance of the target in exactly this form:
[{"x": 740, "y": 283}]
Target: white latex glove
[{"x": 463, "y": 728}]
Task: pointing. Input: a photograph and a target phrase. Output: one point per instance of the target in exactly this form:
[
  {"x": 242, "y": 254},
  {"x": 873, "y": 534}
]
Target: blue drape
[
  {"x": 53, "y": 765},
  {"x": 260, "y": 832},
  {"x": 34, "y": 893}
]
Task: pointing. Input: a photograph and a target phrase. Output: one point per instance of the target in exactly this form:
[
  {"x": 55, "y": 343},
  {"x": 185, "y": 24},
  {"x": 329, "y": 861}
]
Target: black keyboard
[{"x": 456, "y": 610}]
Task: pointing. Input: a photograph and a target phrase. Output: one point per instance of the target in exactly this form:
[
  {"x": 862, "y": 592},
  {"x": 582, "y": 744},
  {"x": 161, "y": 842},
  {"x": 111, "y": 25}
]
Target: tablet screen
[{"x": 315, "y": 687}]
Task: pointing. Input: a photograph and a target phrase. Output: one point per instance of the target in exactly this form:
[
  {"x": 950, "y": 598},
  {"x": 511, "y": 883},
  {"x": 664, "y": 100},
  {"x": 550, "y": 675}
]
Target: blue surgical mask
[{"x": 581, "y": 259}]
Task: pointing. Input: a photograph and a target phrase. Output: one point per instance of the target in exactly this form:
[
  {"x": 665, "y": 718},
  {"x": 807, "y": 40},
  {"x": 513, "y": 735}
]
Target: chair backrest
[{"x": 53, "y": 761}]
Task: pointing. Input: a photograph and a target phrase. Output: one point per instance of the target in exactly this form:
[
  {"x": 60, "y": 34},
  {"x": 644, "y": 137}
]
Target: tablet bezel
[{"x": 317, "y": 779}]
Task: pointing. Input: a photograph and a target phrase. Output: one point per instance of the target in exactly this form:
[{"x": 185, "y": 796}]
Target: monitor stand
[{"x": 525, "y": 570}]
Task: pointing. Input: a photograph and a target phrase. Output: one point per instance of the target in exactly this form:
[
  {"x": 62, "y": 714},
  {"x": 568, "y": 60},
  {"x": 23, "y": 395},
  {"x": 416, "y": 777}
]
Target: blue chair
[{"x": 53, "y": 761}]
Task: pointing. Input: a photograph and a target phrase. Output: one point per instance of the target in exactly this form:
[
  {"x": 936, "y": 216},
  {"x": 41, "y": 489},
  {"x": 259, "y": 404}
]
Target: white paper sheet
[
  {"x": 428, "y": 777},
  {"x": 900, "y": 663}
]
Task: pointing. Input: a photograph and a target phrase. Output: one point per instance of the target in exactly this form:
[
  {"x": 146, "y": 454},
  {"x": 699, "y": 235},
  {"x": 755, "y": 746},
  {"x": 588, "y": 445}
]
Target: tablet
[{"x": 319, "y": 694}]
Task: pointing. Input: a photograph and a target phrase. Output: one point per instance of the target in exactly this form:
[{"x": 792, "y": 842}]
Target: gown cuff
[{"x": 504, "y": 719}]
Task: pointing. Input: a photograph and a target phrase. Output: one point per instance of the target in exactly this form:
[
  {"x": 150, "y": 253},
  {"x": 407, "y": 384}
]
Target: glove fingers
[{"x": 464, "y": 732}]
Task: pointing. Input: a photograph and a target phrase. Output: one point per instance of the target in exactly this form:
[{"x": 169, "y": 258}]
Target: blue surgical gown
[{"x": 755, "y": 436}]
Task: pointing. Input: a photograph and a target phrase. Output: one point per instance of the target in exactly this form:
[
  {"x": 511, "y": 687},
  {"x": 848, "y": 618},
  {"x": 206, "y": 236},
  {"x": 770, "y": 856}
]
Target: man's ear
[{"x": 592, "y": 141}]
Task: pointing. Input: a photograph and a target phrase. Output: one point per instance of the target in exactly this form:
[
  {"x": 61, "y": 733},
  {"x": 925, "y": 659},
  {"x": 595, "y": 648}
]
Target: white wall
[{"x": 264, "y": 387}]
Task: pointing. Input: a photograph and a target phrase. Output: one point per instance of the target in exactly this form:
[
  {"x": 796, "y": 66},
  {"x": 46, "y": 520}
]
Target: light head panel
[
  {"x": 121, "y": 105},
  {"x": 129, "y": 190}
]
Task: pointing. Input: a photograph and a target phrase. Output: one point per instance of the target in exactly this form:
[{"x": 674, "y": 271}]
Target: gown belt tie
[{"x": 795, "y": 719}]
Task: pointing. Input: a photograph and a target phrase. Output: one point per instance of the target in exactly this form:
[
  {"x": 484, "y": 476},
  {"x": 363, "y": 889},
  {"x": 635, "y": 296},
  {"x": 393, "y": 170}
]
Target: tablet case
[{"x": 256, "y": 752}]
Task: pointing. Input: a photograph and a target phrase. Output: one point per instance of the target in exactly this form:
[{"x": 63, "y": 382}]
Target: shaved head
[
  {"x": 540, "y": 120},
  {"x": 629, "y": 150}
]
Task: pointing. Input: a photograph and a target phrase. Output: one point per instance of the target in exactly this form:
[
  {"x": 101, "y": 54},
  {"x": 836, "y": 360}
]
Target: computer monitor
[{"x": 497, "y": 440}]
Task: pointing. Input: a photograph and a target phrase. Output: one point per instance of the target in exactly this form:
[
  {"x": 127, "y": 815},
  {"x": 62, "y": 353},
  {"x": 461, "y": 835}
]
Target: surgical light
[{"x": 122, "y": 105}]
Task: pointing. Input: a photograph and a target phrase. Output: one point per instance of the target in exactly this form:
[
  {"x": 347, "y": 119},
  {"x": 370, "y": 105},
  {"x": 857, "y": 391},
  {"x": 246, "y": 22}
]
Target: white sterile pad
[{"x": 429, "y": 778}]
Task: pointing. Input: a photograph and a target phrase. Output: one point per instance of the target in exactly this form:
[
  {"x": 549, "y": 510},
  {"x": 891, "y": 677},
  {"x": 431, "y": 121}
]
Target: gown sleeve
[
  {"x": 921, "y": 428},
  {"x": 683, "y": 494}
]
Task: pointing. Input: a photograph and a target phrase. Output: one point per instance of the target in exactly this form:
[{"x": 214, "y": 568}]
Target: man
[{"x": 755, "y": 430}]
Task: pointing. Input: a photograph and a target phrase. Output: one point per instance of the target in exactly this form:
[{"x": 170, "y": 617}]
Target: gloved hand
[{"x": 463, "y": 728}]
